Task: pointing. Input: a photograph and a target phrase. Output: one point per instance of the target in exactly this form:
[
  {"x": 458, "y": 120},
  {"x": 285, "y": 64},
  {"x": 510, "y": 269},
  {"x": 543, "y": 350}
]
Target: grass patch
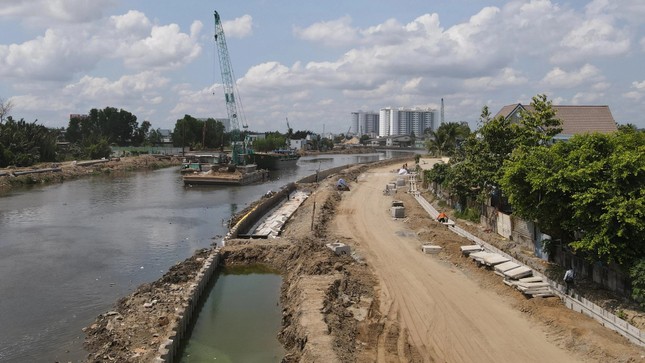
[{"x": 468, "y": 214}]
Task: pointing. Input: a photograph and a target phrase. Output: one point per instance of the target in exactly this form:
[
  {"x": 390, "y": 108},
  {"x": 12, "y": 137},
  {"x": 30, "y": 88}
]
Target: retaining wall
[
  {"x": 259, "y": 211},
  {"x": 168, "y": 352}
]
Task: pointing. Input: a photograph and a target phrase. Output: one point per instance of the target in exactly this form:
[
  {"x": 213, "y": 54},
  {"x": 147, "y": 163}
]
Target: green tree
[
  {"x": 187, "y": 132},
  {"x": 141, "y": 133},
  {"x": 154, "y": 137},
  {"x": 24, "y": 143},
  {"x": 444, "y": 140},
  {"x": 539, "y": 123},
  {"x": 272, "y": 141},
  {"x": 591, "y": 186}
]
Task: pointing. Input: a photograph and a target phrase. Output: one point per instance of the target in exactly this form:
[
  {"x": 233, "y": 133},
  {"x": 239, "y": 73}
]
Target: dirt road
[{"x": 448, "y": 317}]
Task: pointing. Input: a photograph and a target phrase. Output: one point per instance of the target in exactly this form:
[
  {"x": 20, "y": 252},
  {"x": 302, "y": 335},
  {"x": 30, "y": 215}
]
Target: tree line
[
  {"x": 91, "y": 136},
  {"x": 587, "y": 193}
]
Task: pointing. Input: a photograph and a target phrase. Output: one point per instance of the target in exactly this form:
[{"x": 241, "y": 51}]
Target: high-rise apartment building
[
  {"x": 365, "y": 123},
  {"x": 405, "y": 121}
]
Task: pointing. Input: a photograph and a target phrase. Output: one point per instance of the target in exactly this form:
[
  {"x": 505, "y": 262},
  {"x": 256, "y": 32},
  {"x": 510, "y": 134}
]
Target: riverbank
[
  {"x": 72, "y": 170},
  {"x": 359, "y": 307}
]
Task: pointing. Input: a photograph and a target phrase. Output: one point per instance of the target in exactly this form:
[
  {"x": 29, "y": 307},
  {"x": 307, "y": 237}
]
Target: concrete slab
[
  {"x": 495, "y": 259},
  {"x": 431, "y": 249},
  {"x": 466, "y": 250},
  {"x": 479, "y": 256},
  {"x": 509, "y": 265},
  {"x": 518, "y": 273}
]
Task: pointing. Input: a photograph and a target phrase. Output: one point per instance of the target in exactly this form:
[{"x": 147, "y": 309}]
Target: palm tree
[{"x": 444, "y": 140}]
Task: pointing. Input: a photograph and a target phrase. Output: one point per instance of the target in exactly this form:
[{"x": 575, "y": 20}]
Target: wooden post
[{"x": 313, "y": 214}]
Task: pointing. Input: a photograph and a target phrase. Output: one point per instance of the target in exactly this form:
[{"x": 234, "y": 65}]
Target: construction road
[{"x": 448, "y": 317}]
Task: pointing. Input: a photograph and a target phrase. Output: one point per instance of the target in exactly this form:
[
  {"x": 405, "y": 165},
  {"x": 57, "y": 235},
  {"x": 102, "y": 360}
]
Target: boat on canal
[
  {"x": 227, "y": 175},
  {"x": 275, "y": 160},
  {"x": 201, "y": 162}
]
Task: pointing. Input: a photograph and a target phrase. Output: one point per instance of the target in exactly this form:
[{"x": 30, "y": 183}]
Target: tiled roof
[{"x": 575, "y": 119}]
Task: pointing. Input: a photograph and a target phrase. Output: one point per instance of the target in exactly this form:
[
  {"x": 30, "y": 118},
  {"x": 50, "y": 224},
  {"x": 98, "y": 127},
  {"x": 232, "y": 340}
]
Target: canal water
[
  {"x": 239, "y": 319},
  {"x": 69, "y": 251}
]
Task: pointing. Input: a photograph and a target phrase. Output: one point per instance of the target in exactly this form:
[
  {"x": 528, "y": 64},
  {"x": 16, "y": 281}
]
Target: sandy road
[{"x": 448, "y": 317}]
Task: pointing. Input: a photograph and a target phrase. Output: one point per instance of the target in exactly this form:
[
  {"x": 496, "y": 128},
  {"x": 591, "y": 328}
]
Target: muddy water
[
  {"x": 239, "y": 319},
  {"x": 69, "y": 251}
]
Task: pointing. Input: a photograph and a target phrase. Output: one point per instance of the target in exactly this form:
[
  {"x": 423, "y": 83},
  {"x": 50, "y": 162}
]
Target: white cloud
[
  {"x": 631, "y": 11},
  {"x": 334, "y": 33},
  {"x": 54, "y": 56},
  {"x": 239, "y": 27},
  {"x": 559, "y": 78},
  {"x": 639, "y": 85},
  {"x": 126, "y": 88},
  {"x": 638, "y": 91},
  {"x": 132, "y": 24},
  {"x": 49, "y": 11},
  {"x": 595, "y": 37},
  {"x": 165, "y": 47},
  {"x": 65, "y": 51},
  {"x": 587, "y": 98},
  {"x": 504, "y": 78}
]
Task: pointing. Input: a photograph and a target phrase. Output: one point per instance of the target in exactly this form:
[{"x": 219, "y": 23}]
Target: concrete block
[
  {"x": 432, "y": 249},
  {"x": 398, "y": 212},
  {"x": 339, "y": 248},
  {"x": 400, "y": 182}
]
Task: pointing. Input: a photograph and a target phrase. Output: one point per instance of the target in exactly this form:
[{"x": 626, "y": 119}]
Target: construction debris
[{"x": 339, "y": 248}]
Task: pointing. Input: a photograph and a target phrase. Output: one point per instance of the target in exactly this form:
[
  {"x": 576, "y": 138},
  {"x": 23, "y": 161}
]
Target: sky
[{"x": 315, "y": 62}]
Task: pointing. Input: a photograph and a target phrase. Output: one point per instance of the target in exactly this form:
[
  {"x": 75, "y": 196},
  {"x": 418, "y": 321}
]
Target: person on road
[
  {"x": 442, "y": 217},
  {"x": 569, "y": 277},
  {"x": 342, "y": 184}
]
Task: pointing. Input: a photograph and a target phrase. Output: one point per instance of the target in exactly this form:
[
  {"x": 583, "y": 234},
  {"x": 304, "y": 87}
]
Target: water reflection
[{"x": 239, "y": 319}]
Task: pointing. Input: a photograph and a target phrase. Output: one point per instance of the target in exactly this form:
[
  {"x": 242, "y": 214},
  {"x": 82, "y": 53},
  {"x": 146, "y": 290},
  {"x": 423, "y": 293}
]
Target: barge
[{"x": 228, "y": 175}]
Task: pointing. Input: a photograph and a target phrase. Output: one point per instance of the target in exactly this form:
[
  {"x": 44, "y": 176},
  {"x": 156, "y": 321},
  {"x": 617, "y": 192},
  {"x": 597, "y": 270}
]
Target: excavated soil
[{"x": 386, "y": 302}]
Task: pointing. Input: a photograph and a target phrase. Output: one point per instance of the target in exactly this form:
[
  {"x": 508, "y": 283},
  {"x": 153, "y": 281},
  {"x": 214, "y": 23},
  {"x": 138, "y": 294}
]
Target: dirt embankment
[
  {"x": 365, "y": 307},
  {"x": 74, "y": 170}
]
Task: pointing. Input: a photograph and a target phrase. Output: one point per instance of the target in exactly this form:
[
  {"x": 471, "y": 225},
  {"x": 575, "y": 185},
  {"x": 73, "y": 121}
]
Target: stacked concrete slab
[{"x": 273, "y": 224}]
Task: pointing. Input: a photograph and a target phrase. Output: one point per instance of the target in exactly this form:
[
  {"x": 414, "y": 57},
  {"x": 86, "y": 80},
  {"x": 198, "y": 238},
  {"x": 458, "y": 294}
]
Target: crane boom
[{"x": 231, "y": 95}]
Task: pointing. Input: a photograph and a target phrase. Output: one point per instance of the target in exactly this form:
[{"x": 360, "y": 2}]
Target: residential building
[
  {"x": 575, "y": 119},
  {"x": 406, "y": 121},
  {"x": 365, "y": 123}
]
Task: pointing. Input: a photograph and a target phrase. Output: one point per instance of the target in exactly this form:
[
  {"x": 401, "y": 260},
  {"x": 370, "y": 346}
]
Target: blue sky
[{"x": 317, "y": 61}]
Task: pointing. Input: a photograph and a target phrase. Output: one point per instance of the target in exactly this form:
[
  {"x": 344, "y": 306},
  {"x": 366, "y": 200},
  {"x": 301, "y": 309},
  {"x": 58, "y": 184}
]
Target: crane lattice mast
[{"x": 231, "y": 94}]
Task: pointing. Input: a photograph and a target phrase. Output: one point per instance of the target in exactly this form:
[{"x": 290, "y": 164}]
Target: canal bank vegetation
[
  {"x": 74, "y": 170},
  {"x": 586, "y": 193}
]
